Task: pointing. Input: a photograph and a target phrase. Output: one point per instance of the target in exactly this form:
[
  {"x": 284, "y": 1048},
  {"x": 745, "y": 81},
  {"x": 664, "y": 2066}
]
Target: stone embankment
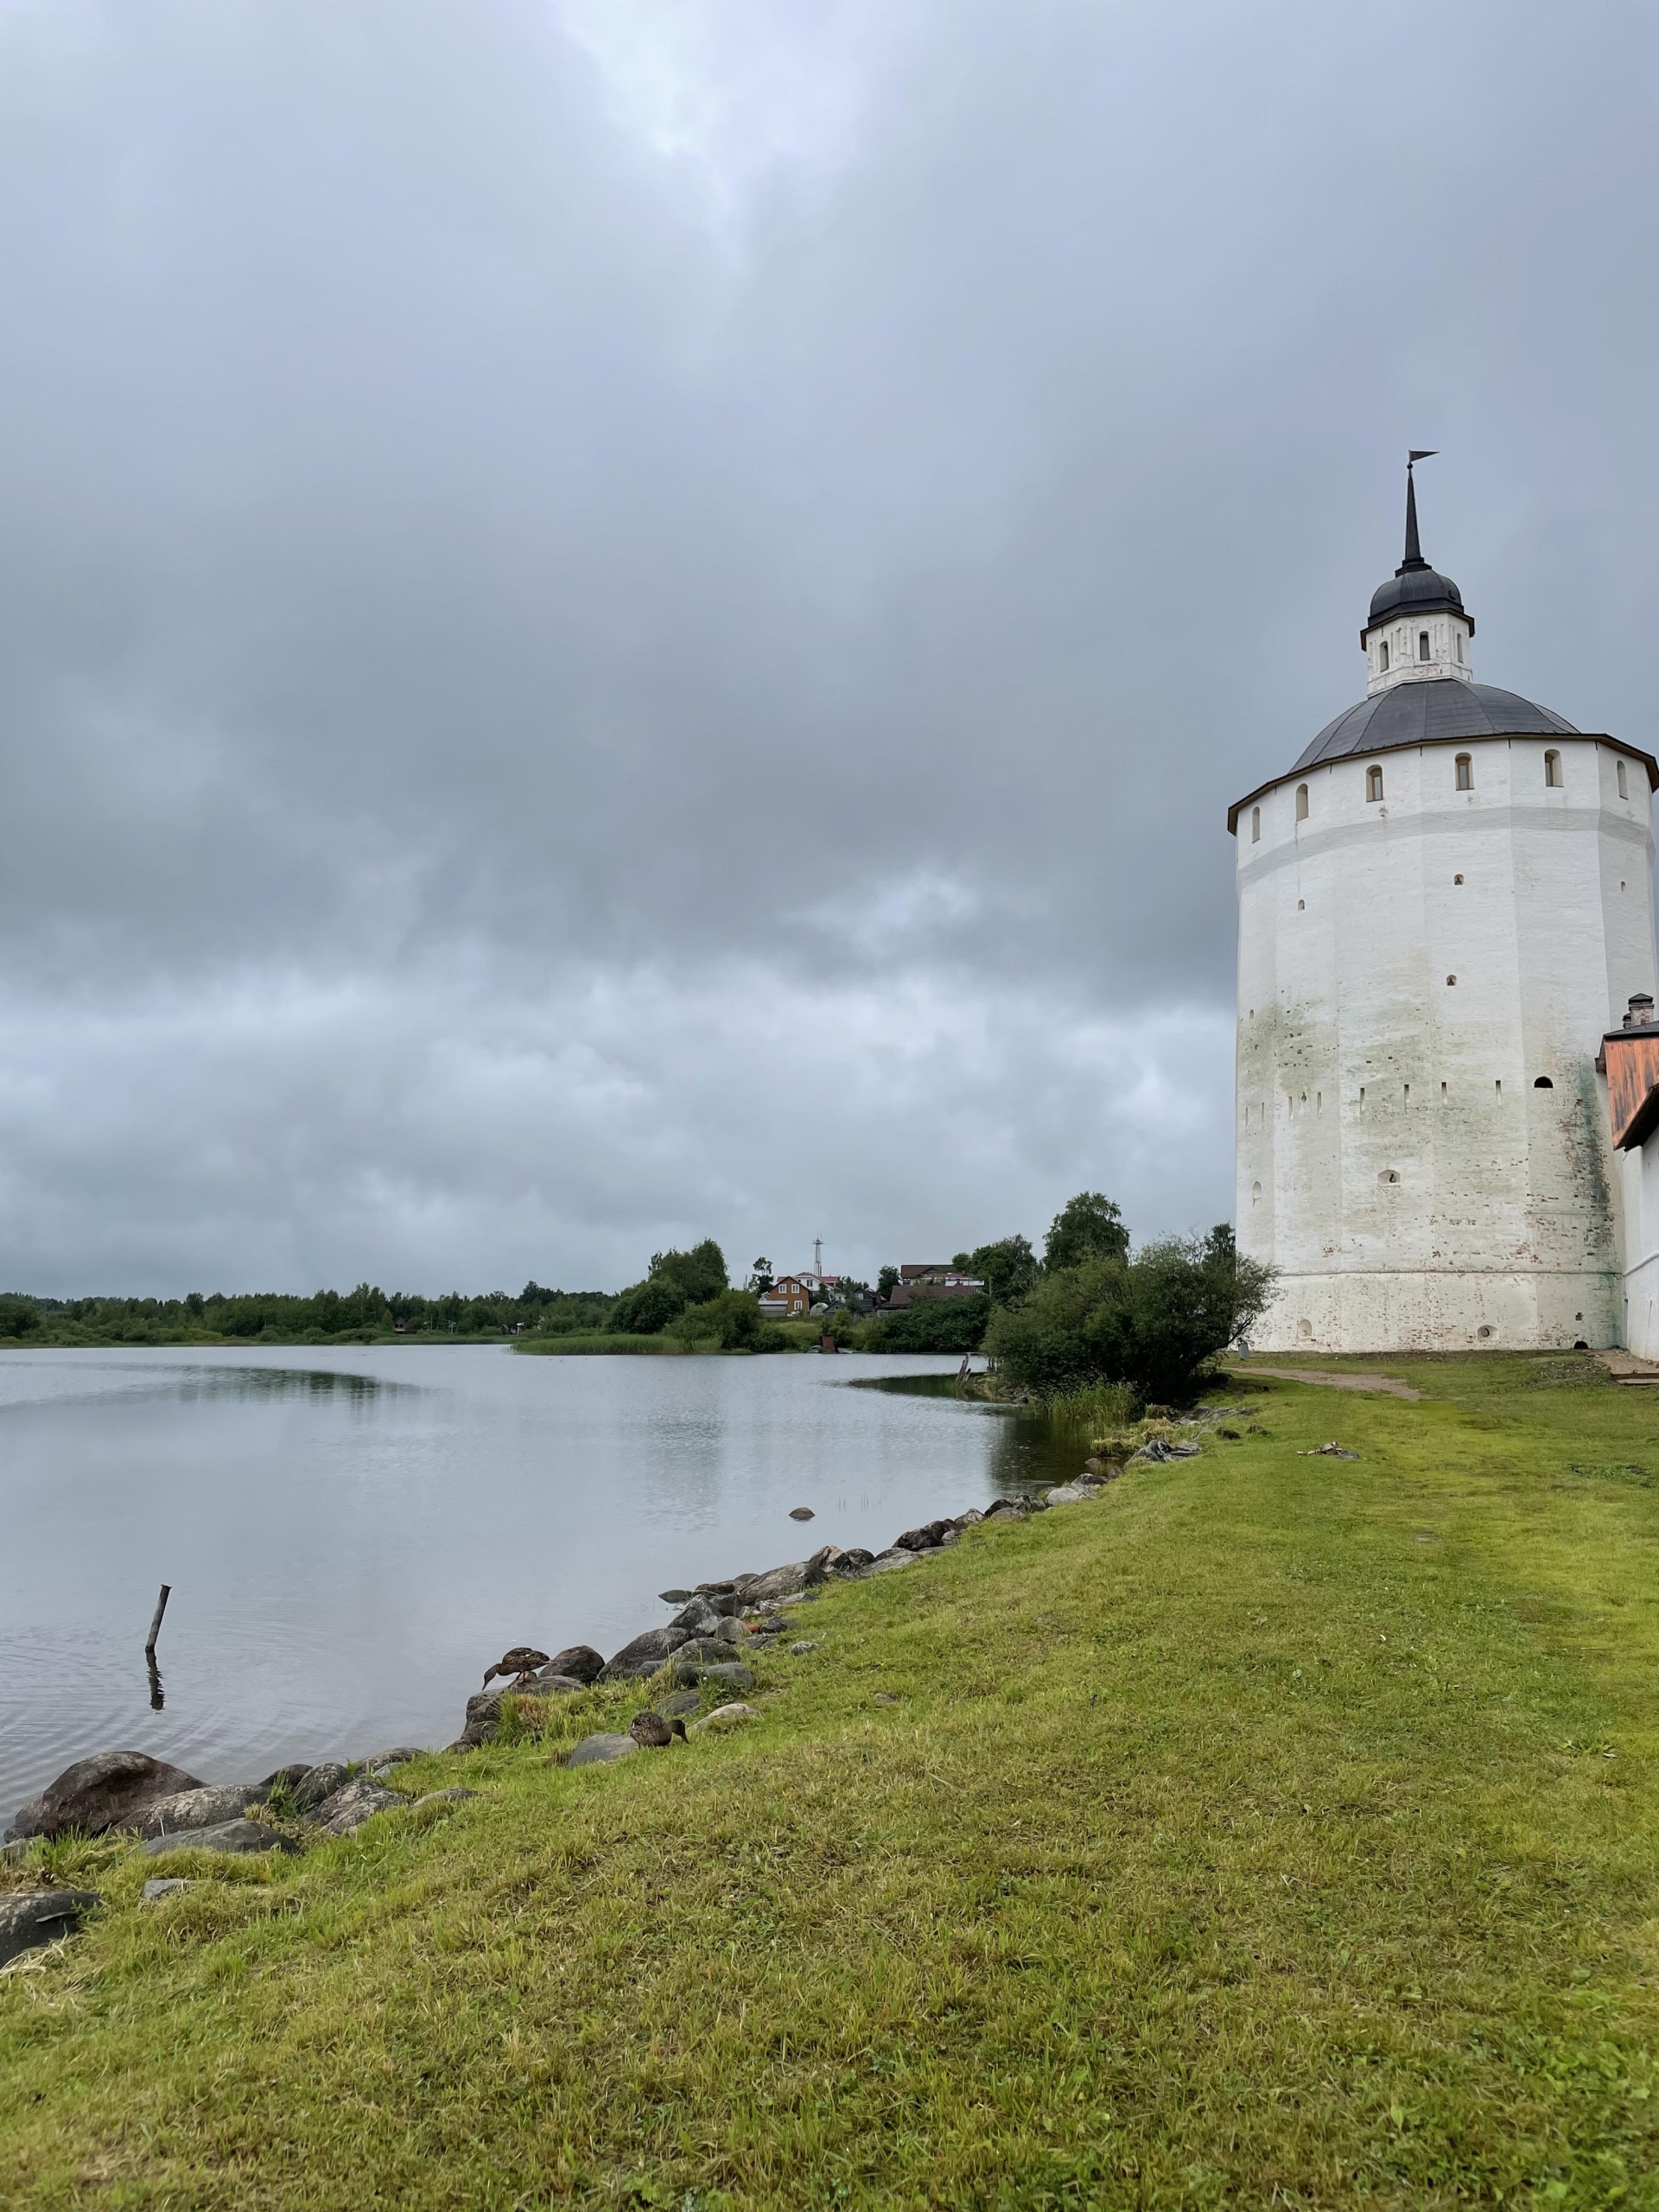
[{"x": 709, "y": 1646}]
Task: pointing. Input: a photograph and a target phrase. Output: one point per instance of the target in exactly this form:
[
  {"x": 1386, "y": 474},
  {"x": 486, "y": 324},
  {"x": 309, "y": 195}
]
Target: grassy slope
[{"x": 1278, "y": 1830}]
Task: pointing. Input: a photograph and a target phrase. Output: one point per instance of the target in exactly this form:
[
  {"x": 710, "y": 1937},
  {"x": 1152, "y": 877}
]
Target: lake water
[{"x": 353, "y": 1534}]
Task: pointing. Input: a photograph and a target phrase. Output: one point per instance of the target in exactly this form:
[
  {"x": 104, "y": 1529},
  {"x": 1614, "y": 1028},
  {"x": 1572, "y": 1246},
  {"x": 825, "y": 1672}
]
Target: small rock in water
[
  {"x": 164, "y": 1887},
  {"x": 600, "y": 1750},
  {"x": 27, "y": 1923},
  {"x": 800, "y": 1650},
  {"x": 237, "y": 1837},
  {"x": 802, "y": 1513},
  {"x": 676, "y": 1596}
]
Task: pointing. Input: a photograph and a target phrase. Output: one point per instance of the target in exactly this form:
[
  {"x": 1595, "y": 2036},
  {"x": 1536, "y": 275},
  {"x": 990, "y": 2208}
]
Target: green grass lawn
[{"x": 1277, "y": 1831}]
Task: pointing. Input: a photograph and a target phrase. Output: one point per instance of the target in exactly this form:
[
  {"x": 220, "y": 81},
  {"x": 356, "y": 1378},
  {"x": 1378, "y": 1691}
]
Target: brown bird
[
  {"x": 652, "y": 1733},
  {"x": 520, "y": 1663}
]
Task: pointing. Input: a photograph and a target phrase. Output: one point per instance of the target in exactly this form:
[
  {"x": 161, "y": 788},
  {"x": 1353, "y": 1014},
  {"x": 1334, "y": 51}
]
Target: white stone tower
[{"x": 1441, "y": 907}]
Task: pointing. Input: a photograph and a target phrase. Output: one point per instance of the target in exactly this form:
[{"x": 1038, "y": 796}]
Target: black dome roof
[
  {"x": 1431, "y": 710},
  {"x": 1419, "y": 590},
  {"x": 1415, "y": 587}
]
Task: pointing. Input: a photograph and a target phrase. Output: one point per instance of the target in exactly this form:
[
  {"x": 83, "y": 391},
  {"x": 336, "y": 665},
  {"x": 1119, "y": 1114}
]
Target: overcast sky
[{"x": 624, "y": 619}]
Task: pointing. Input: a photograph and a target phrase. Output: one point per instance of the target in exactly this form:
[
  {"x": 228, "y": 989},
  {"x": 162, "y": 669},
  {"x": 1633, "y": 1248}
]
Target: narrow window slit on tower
[
  {"x": 1256, "y": 825},
  {"x": 1442, "y": 1094},
  {"x": 1466, "y": 775},
  {"x": 1373, "y": 784},
  {"x": 1301, "y": 801},
  {"x": 1553, "y": 770},
  {"x": 1382, "y": 657},
  {"x": 1623, "y": 786},
  {"x": 1422, "y": 645}
]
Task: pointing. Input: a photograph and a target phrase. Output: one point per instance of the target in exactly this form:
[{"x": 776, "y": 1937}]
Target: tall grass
[{"x": 1100, "y": 1406}]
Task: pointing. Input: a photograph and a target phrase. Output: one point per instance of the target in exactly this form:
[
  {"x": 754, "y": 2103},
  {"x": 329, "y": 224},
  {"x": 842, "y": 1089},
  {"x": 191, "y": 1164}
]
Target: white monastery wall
[
  {"x": 1396, "y": 1160},
  {"x": 1640, "y": 1174}
]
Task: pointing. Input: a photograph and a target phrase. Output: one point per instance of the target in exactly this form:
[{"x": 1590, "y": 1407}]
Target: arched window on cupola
[
  {"x": 1422, "y": 645},
  {"x": 1465, "y": 773},
  {"x": 1382, "y": 657},
  {"x": 1553, "y": 770},
  {"x": 1373, "y": 784},
  {"x": 1301, "y": 802}
]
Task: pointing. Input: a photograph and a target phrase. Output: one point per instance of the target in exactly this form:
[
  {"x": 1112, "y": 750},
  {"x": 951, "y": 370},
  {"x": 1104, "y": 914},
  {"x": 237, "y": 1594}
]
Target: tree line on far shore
[
  {"x": 361, "y": 1316},
  {"x": 1090, "y": 1311}
]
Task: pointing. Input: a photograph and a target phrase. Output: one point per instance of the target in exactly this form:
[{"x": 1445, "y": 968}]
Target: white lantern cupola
[{"x": 1417, "y": 629}]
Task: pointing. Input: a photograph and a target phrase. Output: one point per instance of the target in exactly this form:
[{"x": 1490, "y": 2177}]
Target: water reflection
[
  {"x": 353, "y": 1533},
  {"x": 189, "y": 1385}
]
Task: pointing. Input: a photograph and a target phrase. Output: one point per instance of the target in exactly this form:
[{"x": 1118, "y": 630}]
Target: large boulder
[
  {"x": 318, "y": 1782},
  {"x": 927, "y": 1538},
  {"x": 107, "y": 1791},
  {"x": 722, "y": 1718},
  {"x": 198, "y": 1808},
  {"x": 699, "y": 1618},
  {"x": 821, "y": 1566},
  {"x": 577, "y": 1662},
  {"x": 644, "y": 1656},
  {"x": 851, "y": 1562},
  {"x": 358, "y": 1801},
  {"x": 778, "y": 1582},
  {"x": 484, "y": 1707},
  {"x": 600, "y": 1750},
  {"x": 732, "y": 1674},
  {"x": 238, "y": 1838},
  {"x": 42, "y": 1916}
]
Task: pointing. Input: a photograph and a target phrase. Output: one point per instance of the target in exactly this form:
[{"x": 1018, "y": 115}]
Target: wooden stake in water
[{"x": 155, "y": 1625}]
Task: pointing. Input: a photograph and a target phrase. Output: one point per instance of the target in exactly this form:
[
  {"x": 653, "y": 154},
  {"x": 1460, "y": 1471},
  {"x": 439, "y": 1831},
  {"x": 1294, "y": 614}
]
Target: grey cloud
[{"x": 451, "y": 507}]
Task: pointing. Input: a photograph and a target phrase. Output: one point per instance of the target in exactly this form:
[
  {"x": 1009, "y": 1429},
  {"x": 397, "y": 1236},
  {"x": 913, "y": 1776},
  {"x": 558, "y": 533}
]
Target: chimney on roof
[{"x": 1640, "y": 1010}]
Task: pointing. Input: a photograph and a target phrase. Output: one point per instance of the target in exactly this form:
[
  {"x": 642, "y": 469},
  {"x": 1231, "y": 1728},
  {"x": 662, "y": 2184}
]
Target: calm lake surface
[{"x": 354, "y": 1533}]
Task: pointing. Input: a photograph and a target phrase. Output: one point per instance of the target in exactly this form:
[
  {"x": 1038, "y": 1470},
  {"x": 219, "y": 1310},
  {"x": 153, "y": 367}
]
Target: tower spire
[{"x": 1414, "y": 551}]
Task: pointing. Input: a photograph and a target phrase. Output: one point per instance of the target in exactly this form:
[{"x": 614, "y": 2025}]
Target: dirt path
[{"x": 1389, "y": 1384}]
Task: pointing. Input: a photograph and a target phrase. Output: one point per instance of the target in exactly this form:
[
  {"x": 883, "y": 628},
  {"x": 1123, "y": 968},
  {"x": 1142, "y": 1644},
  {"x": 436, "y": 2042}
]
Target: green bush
[
  {"x": 1088, "y": 1227},
  {"x": 930, "y": 1325},
  {"x": 647, "y": 1308},
  {"x": 732, "y": 1321},
  {"x": 1153, "y": 1322},
  {"x": 676, "y": 1280},
  {"x": 19, "y": 1316}
]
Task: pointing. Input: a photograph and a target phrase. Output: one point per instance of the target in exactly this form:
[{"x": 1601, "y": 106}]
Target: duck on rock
[{"x": 520, "y": 1663}]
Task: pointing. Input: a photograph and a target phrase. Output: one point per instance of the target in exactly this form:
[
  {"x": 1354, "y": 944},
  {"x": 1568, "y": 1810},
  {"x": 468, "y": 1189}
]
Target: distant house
[
  {"x": 789, "y": 1297},
  {"x": 922, "y": 1279}
]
